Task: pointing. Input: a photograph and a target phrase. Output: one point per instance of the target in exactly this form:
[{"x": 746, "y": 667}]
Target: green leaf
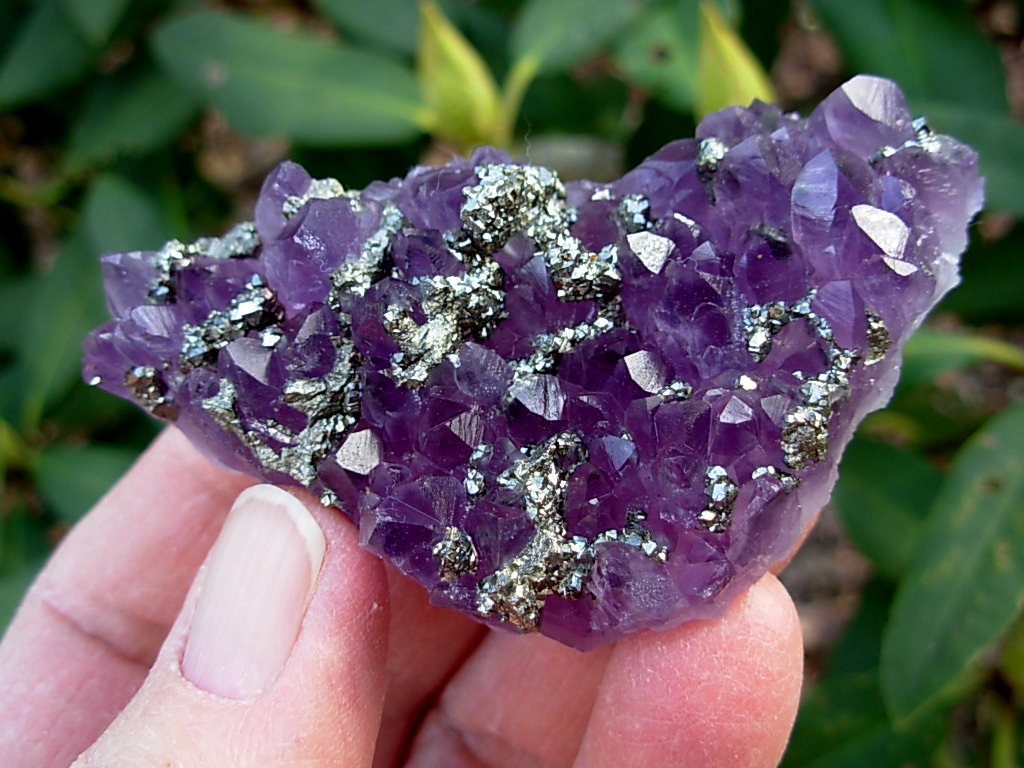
[
  {"x": 392, "y": 24},
  {"x": 16, "y": 303},
  {"x": 842, "y": 721},
  {"x": 993, "y": 273},
  {"x": 47, "y": 54},
  {"x": 835, "y": 712},
  {"x": 882, "y": 496},
  {"x": 10, "y": 17},
  {"x": 1001, "y": 717},
  {"x": 14, "y": 452},
  {"x": 727, "y": 72},
  {"x": 913, "y": 42},
  {"x": 966, "y": 581},
  {"x": 460, "y": 91},
  {"x": 12, "y": 392},
  {"x": 268, "y": 81},
  {"x": 14, "y": 582},
  {"x": 119, "y": 216},
  {"x": 597, "y": 112},
  {"x": 68, "y": 303},
  {"x": 930, "y": 352},
  {"x": 660, "y": 54},
  {"x": 763, "y": 27},
  {"x": 10, "y": 447},
  {"x": 8, "y": 440},
  {"x": 932, "y": 48},
  {"x": 91, "y": 411},
  {"x": 116, "y": 215},
  {"x": 96, "y": 19},
  {"x": 998, "y": 139},
  {"x": 1011, "y": 660},
  {"x": 857, "y": 650},
  {"x": 73, "y": 479},
  {"x": 23, "y": 551},
  {"x": 555, "y": 34},
  {"x": 119, "y": 117},
  {"x": 842, "y": 724}
]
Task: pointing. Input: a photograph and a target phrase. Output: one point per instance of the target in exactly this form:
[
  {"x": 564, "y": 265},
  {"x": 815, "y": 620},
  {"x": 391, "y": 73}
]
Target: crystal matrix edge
[{"x": 581, "y": 409}]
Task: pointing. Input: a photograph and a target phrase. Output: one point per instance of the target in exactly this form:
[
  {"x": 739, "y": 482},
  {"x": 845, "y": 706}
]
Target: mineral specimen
[{"x": 585, "y": 409}]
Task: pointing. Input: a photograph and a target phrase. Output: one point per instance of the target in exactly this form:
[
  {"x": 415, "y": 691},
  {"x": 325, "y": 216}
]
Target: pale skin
[{"x": 91, "y": 667}]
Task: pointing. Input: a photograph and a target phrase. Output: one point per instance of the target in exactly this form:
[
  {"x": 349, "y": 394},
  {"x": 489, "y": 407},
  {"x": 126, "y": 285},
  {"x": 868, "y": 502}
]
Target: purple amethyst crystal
[{"x": 584, "y": 409}]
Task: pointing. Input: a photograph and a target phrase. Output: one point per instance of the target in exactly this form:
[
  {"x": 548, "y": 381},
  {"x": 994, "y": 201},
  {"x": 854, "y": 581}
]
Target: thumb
[{"x": 277, "y": 657}]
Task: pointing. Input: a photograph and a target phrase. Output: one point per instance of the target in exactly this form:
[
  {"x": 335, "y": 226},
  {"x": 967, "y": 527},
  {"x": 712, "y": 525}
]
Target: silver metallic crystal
[
  {"x": 514, "y": 198},
  {"x": 635, "y": 213},
  {"x": 356, "y": 276},
  {"x": 879, "y": 340},
  {"x": 297, "y": 454},
  {"x": 551, "y": 562},
  {"x": 338, "y": 394},
  {"x": 319, "y": 189},
  {"x": 710, "y": 153},
  {"x": 805, "y": 436},
  {"x": 805, "y": 426},
  {"x": 456, "y": 553},
  {"x": 721, "y": 492},
  {"x": 507, "y": 199},
  {"x": 578, "y": 273},
  {"x": 253, "y": 308},
  {"x": 746, "y": 383},
  {"x": 238, "y": 242},
  {"x": 474, "y": 482},
  {"x": 147, "y": 385},
  {"x": 925, "y": 140},
  {"x": 548, "y": 348},
  {"x": 675, "y": 390},
  {"x": 456, "y": 307}
]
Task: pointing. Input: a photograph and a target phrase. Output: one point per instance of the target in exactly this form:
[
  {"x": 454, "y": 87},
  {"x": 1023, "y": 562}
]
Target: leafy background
[{"x": 127, "y": 122}]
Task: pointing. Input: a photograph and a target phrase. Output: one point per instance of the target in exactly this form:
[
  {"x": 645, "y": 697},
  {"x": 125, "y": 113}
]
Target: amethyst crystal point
[{"x": 584, "y": 409}]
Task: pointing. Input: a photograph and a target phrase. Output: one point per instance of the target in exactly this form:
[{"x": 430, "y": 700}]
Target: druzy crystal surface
[{"x": 585, "y": 409}]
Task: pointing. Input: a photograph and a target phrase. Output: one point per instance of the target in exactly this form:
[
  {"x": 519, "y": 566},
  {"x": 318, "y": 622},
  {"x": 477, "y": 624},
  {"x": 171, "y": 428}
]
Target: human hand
[{"x": 294, "y": 647}]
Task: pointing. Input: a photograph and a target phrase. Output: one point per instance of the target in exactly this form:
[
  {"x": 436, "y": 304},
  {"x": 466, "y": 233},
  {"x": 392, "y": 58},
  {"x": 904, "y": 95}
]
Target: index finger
[
  {"x": 91, "y": 625},
  {"x": 721, "y": 692}
]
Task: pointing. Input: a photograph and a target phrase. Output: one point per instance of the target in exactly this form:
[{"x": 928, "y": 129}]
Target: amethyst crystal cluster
[{"x": 584, "y": 409}]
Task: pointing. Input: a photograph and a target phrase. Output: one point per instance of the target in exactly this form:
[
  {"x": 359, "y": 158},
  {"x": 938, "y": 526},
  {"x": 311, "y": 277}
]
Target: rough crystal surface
[{"x": 584, "y": 409}]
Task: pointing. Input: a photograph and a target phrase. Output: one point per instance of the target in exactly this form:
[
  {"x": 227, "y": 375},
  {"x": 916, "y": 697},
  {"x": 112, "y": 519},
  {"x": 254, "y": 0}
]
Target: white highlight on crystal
[
  {"x": 647, "y": 370},
  {"x": 540, "y": 394},
  {"x": 900, "y": 267},
  {"x": 736, "y": 412},
  {"x": 651, "y": 249},
  {"x": 468, "y": 427},
  {"x": 888, "y": 232},
  {"x": 876, "y": 97},
  {"x": 360, "y": 452}
]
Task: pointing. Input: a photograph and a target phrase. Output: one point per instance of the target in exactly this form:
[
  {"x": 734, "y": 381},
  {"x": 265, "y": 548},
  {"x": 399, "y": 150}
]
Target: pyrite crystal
[{"x": 585, "y": 409}]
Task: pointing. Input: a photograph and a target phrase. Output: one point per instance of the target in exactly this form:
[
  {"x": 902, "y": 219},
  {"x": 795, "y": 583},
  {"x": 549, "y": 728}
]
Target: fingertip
[
  {"x": 321, "y": 704},
  {"x": 721, "y": 693},
  {"x": 344, "y": 641},
  {"x": 768, "y": 604}
]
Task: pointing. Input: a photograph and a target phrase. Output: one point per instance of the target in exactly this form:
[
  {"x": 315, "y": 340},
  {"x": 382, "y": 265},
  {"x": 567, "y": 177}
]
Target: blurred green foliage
[{"x": 127, "y": 122}]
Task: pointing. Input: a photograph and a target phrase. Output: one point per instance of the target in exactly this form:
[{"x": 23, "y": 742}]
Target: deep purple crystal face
[{"x": 582, "y": 409}]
